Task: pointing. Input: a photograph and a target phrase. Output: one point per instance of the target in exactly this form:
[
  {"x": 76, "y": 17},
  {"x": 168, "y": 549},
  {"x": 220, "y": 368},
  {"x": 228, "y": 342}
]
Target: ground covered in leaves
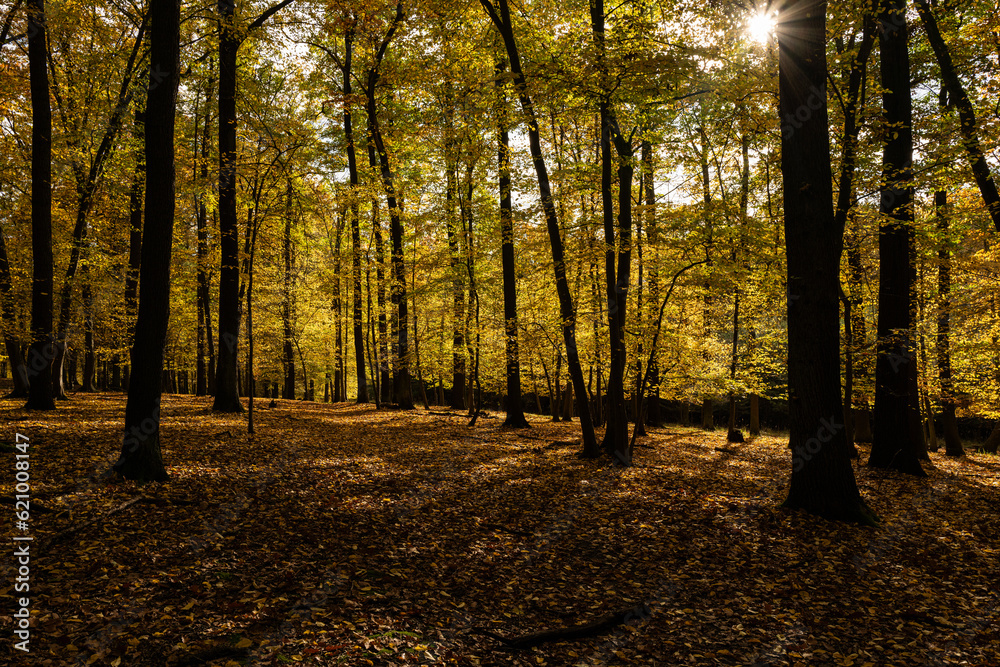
[{"x": 340, "y": 535}]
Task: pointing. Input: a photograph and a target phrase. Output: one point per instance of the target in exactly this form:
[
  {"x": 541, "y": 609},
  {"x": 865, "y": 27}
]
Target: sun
[{"x": 760, "y": 27}]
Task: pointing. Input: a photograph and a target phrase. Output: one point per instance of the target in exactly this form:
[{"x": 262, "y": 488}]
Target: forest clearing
[{"x": 342, "y": 535}]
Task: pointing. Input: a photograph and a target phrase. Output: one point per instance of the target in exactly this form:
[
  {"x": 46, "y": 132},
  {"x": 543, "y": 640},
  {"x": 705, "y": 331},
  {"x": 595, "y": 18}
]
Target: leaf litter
[{"x": 342, "y": 535}]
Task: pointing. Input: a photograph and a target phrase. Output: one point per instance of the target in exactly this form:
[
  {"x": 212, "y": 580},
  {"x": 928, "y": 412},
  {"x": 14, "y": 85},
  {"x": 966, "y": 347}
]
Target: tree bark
[
  {"x": 287, "y": 348},
  {"x": 41, "y": 352},
  {"x": 19, "y": 371},
  {"x": 952, "y": 441},
  {"x": 822, "y": 480},
  {"x": 653, "y": 414},
  {"x": 897, "y": 437},
  {"x": 231, "y": 36},
  {"x": 140, "y": 457},
  {"x": 227, "y": 396},
  {"x": 503, "y": 24},
  {"x": 352, "y": 171},
  {"x": 205, "y": 369},
  {"x": 966, "y": 113},
  {"x": 515, "y": 408}
]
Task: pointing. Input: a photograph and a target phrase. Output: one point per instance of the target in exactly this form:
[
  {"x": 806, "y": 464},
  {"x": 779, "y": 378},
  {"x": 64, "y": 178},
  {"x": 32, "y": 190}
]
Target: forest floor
[{"x": 340, "y": 535}]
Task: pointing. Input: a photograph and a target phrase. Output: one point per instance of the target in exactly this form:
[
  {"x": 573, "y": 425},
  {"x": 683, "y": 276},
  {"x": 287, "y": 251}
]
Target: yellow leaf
[{"x": 244, "y": 643}]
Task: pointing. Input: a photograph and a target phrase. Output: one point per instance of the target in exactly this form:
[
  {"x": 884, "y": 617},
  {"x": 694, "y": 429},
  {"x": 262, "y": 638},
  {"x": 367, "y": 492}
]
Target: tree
[
  {"x": 500, "y": 16},
  {"x": 41, "y": 352},
  {"x": 401, "y": 372},
  {"x": 515, "y": 411},
  {"x": 140, "y": 457},
  {"x": 897, "y": 435},
  {"x": 822, "y": 477},
  {"x": 966, "y": 113},
  {"x": 231, "y": 37}
]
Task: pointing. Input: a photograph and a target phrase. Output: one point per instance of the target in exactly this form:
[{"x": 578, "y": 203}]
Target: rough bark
[
  {"x": 966, "y": 113},
  {"x": 140, "y": 457},
  {"x": 42, "y": 348},
  {"x": 822, "y": 479},
  {"x": 952, "y": 441},
  {"x": 515, "y": 409},
  {"x": 500, "y": 16},
  {"x": 897, "y": 436}
]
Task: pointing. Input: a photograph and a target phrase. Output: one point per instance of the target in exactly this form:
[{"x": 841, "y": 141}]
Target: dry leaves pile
[{"x": 344, "y": 536}]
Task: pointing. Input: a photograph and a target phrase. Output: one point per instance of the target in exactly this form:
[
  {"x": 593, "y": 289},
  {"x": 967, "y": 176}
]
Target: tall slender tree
[
  {"x": 515, "y": 410},
  {"x": 897, "y": 435},
  {"x": 499, "y": 14},
  {"x": 231, "y": 36},
  {"x": 140, "y": 457}
]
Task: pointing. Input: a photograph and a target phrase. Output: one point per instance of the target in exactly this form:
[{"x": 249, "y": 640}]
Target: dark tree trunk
[
  {"x": 966, "y": 113},
  {"x": 567, "y": 311},
  {"x": 352, "y": 171},
  {"x": 338, "y": 350},
  {"x": 732, "y": 435},
  {"x": 288, "y": 347},
  {"x": 89, "y": 360},
  {"x": 822, "y": 477},
  {"x": 227, "y": 395},
  {"x": 401, "y": 373},
  {"x": 952, "y": 441},
  {"x": 135, "y": 226},
  {"x": 897, "y": 441},
  {"x": 458, "y": 284},
  {"x": 653, "y": 414},
  {"x": 19, "y": 371},
  {"x": 707, "y": 418},
  {"x": 861, "y": 366},
  {"x": 205, "y": 368},
  {"x": 41, "y": 351},
  {"x": 385, "y": 383},
  {"x": 140, "y": 456},
  {"x": 231, "y": 35},
  {"x": 515, "y": 409}
]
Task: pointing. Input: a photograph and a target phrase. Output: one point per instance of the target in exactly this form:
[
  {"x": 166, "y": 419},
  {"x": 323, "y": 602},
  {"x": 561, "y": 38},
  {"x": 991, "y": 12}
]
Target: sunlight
[{"x": 760, "y": 27}]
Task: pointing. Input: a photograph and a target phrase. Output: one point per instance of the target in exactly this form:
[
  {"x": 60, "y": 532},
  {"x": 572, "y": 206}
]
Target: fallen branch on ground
[{"x": 598, "y": 627}]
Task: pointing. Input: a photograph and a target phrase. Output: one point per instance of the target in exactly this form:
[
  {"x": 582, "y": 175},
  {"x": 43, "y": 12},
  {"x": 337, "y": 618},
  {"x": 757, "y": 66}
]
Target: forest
[{"x": 386, "y": 332}]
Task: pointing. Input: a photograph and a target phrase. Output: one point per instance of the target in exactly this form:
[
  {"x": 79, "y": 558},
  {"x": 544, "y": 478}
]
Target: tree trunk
[
  {"x": 952, "y": 441},
  {"x": 567, "y": 311},
  {"x": 457, "y": 269},
  {"x": 41, "y": 351},
  {"x": 352, "y": 171},
  {"x": 88, "y": 333},
  {"x": 897, "y": 441},
  {"x": 385, "y": 383},
  {"x": 338, "y": 349},
  {"x": 227, "y": 396},
  {"x": 654, "y": 416},
  {"x": 822, "y": 479},
  {"x": 19, "y": 371},
  {"x": 140, "y": 457},
  {"x": 205, "y": 369},
  {"x": 754, "y": 415},
  {"x": 707, "y": 419},
  {"x": 515, "y": 409},
  {"x": 966, "y": 113}
]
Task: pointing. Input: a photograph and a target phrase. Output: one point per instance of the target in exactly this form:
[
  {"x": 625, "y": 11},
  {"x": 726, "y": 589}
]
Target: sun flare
[{"x": 760, "y": 27}]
